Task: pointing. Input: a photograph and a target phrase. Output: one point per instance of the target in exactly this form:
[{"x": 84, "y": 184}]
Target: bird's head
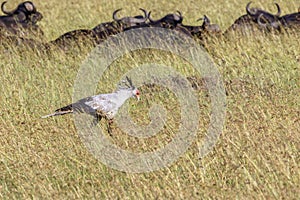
[
  {"x": 136, "y": 94},
  {"x": 128, "y": 86}
]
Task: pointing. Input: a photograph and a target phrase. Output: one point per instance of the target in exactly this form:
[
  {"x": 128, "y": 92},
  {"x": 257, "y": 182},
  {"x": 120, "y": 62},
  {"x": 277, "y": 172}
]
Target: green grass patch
[{"x": 257, "y": 155}]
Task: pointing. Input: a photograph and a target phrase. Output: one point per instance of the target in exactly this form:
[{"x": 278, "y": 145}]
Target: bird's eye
[{"x": 137, "y": 92}]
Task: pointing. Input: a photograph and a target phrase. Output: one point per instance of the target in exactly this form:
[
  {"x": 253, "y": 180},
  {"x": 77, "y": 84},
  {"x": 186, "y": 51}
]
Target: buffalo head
[
  {"x": 255, "y": 19},
  {"x": 131, "y": 21},
  {"x": 256, "y": 12},
  {"x": 287, "y": 21},
  {"x": 168, "y": 21},
  {"x": 24, "y": 11},
  {"x": 119, "y": 24},
  {"x": 264, "y": 18},
  {"x": 24, "y": 17},
  {"x": 208, "y": 27}
]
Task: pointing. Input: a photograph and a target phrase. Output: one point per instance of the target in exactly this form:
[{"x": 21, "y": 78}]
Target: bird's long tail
[{"x": 61, "y": 111}]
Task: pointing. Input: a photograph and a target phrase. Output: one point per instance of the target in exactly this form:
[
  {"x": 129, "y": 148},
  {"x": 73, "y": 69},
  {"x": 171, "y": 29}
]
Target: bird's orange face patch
[{"x": 137, "y": 94}]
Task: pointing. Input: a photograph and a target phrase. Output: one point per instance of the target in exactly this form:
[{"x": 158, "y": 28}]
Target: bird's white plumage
[
  {"x": 105, "y": 104},
  {"x": 109, "y": 103}
]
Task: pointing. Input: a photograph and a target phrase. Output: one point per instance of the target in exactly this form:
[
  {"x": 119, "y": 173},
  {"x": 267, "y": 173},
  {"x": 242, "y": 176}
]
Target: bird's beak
[{"x": 138, "y": 97}]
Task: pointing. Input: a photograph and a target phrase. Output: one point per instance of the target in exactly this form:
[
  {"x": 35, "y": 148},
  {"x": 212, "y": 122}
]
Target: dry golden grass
[{"x": 257, "y": 155}]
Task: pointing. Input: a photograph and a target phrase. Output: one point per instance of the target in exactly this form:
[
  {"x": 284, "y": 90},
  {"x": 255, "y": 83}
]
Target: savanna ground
[{"x": 257, "y": 155}]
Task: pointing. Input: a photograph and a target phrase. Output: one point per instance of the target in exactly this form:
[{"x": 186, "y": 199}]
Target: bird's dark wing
[{"x": 80, "y": 106}]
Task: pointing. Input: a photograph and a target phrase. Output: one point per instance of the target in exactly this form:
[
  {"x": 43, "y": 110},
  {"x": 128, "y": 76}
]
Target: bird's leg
[
  {"x": 99, "y": 117},
  {"x": 110, "y": 121},
  {"x": 96, "y": 119}
]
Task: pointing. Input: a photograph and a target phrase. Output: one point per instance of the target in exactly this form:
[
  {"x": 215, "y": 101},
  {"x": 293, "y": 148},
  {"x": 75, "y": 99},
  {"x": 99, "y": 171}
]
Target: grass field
[{"x": 256, "y": 157}]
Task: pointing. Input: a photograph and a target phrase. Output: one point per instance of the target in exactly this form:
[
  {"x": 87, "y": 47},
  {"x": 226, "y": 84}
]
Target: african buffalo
[
  {"x": 174, "y": 22},
  {"x": 22, "y": 20},
  {"x": 250, "y": 22},
  {"x": 169, "y": 21},
  {"x": 285, "y": 22},
  {"x": 199, "y": 31},
  {"x": 103, "y": 30},
  {"x": 98, "y": 33}
]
